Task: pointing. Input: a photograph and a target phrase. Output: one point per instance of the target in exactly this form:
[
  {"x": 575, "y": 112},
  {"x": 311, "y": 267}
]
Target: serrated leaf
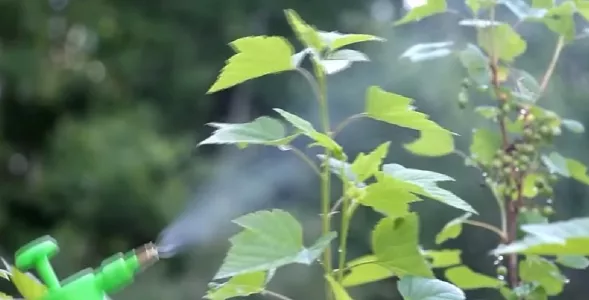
[
  {"x": 239, "y": 286},
  {"x": 339, "y": 292},
  {"x": 306, "y": 33},
  {"x": 573, "y": 261},
  {"x": 429, "y": 8},
  {"x": 397, "y": 110},
  {"x": 424, "y": 183},
  {"x": 270, "y": 239},
  {"x": 467, "y": 279},
  {"x": 560, "y": 19},
  {"x": 476, "y": 64},
  {"x": 432, "y": 143},
  {"x": 577, "y": 170},
  {"x": 488, "y": 112},
  {"x": 443, "y": 258},
  {"x": 558, "y": 238},
  {"x": 539, "y": 270},
  {"x": 573, "y": 125},
  {"x": 485, "y": 144},
  {"x": 556, "y": 163},
  {"x": 336, "y": 40},
  {"x": 582, "y": 9},
  {"x": 389, "y": 196},
  {"x": 428, "y": 51},
  {"x": 395, "y": 245},
  {"x": 341, "y": 60},
  {"x": 418, "y": 288},
  {"x": 364, "y": 270},
  {"x": 307, "y": 129},
  {"x": 28, "y": 287},
  {"x": 263, "y": 130},
  {"x": 366, "y": 165},
  {"x": 256, "y": 56},
  {"x": 452, "y": 229},
  {"x": 502, "y": 41}
]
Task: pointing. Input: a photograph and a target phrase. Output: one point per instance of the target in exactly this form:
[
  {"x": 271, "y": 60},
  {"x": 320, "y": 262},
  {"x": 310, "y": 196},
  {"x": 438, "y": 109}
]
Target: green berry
[
  {"x": 553, "y": 178},
  {"x": 545, "y": 130},
  {"x": 555, "y": 131},
  {"x": 501, "y": 270},
  {"x": 547, "y": 210},
  {"x": 528, "y": 132},
  {"x": 539, "y": 184},
  {"x": 497, "y": 163},
  {"x": 507, "y": 159}
]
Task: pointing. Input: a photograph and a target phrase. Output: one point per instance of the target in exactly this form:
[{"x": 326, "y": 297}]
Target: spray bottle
[{"x": 115, "y": 272}]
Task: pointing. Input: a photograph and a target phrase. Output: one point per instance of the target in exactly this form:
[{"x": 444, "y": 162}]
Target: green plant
[{"x": 517, "y": 172}]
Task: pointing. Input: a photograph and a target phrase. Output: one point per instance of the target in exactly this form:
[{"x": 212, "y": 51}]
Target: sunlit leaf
[
  {"x": 335, "y": 40},
  {"x": 529, "y": 185},
  {"x": 238, "y": 286},
  {"x": 366, "y": 165},
  {"x": 430, "y": 8},
  {"x": 485, "y": 144},
  {"x": 341, "y": 60},
  {"x": 304, "y": 32},
  {"x": 339, "y": 292},
  {"x": 397, "y": 110},
  {"x": 546, "y": 4},
  {"x": 307, "y": 129},
  {"x": 256, "y": 56},
  {"x": 443, "y": 258},
  {"x": 389, "y": 196},
  {"x": 502, "y": 41},
  {"x": 573, "y": 261},
  {"x": 573, "y": 125},
  {"x": 395, "y": 245},
  {"x": 558, "y": 238},
  {"x": 577, "y": 170},
  {"x": 27, "y": 286},
  {"x": 582, "y": 8},
  {"x": 544, "y": 272},
  {"x": 452, "y": 229},
  {"x": 364, "y": 270},
  {"x": 427, "y": 51},
  {"x": 418, "y": 288},
  {"x": 270, "y": 239},
  {"x": 556, "y": 163},
  {"x": 561, "y": 20},
  {"x": 465, "y": 278},
  {"x": 424, "y": 183},
  {"x": 432, "y": 143},
  {"x": 263, "y": 130}
]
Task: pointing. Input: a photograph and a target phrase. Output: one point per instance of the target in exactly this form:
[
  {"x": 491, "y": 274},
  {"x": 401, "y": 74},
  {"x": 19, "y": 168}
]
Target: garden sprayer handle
[{"x": 36, "y": 255}]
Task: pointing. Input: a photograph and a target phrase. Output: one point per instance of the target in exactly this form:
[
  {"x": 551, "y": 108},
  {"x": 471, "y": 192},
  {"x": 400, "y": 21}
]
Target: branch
[
  {"x": 275, "y": 295},
  {"x": 552, "y": 65},
  {"x": 489, "y": 227}
]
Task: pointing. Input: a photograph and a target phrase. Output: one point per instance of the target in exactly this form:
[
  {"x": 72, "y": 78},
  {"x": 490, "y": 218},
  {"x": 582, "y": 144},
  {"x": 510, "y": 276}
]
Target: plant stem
[
  {"x": 306, "y": 159},
  {"x": 552, "y": 65},
  {"x": 345, "y": 123},
  {"x": 487, "y": 226},
  {"x": 346, "y": 217},
  {"x": 275, "y": 295}
]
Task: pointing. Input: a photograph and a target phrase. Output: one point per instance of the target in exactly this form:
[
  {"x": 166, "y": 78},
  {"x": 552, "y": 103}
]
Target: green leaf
[
  {"x": 263, "y": 130},
  {"x": 529, "y": 188},
  {"x": 484, "y": 146},
  {"x": 428, "y": 51},
  {"x": 487, "y": 112},
  {"x": 239, "y": 286},
  {"x": 335, "y": 40},
  {"x": 528, "y": 89},
  {"x": 573, "y": 261},
  {"x": 532, "y": 216},
  {"x": 556, "y": 163},
  {"x": 5, "y": 297},
  {"x": 573, "y": 125},
  {"x": 476, "y": 5},
  {"x": 432, "y": 143},
  {"x": 270, "y": 239},
  {"x": 577, "y": 170},
  {"x": 364, "y": 166},
  {"x": 467, "y": 279},
  {"x": 558, "y": 238},
  {"x": 430, "y": 8},
  {"x": 522, "y": 10},
  {"x": 364, "y": 270},
  {"x": 388, "y": 196},
  {"x": 397, "y": 110},
  {"x": 546, "y": 4},
  {"x": 395, "y": 245},
  {"x": 418, "y": 288},
  {"x": 476, "y": 64},
  {"x": 341, "y": 60},
  {"x": 307, "y": 129},
  {"x": 561, "y": 20},
  {"x": 27, "y": 286},
  {"x": 452, "y": 229},
  {"x": 307, "y": 34},
  {"x": 256, "y": 56},
  {"x": 582, "y": 8},
  {"x": 443, "y": 258},
  {"x": 503, "y": 41},
  {"x": 544, "y": 272},
  {"x": 424, "y": 183},
  {"x": 338, "y": 291}
]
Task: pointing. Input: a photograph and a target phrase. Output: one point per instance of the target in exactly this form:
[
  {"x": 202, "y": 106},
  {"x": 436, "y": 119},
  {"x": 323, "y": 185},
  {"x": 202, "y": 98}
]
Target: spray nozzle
[{"x": 147, "y": 255}]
